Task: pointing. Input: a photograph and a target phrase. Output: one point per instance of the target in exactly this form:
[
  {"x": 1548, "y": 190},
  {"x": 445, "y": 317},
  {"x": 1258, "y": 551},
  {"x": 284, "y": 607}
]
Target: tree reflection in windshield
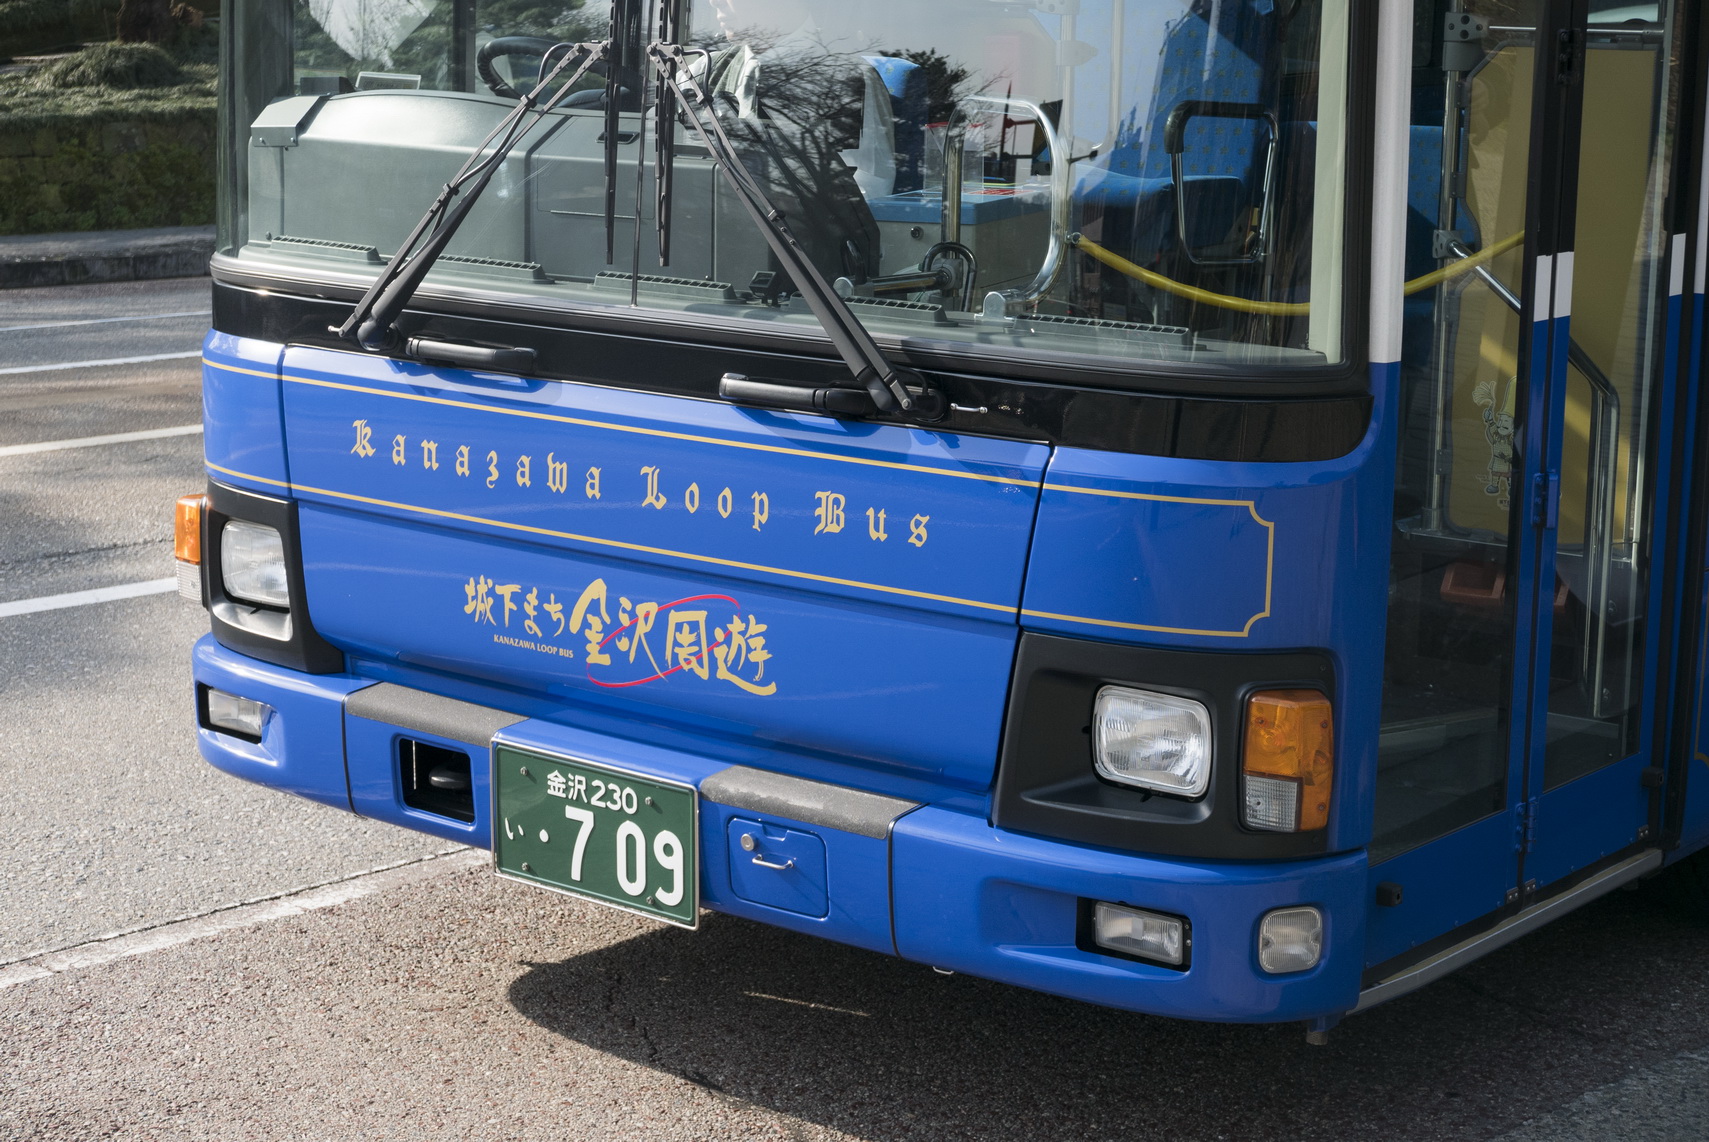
[
  {"x": 979, "y": 172},
  {"x": 799, "y": 111}
]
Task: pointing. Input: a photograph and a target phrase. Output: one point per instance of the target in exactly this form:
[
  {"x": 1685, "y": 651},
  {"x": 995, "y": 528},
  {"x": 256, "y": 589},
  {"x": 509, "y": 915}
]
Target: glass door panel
[
  {"x": 1444, "y": 756},
  {"x": 1619, "y": 318}
]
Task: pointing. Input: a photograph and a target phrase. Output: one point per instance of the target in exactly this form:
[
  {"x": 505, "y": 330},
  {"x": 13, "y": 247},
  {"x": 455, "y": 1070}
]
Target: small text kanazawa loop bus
[{"x": 1192, "y": 505}]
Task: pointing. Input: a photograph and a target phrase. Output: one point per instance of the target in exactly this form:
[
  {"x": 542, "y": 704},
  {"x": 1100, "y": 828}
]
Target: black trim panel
[
  {"x": 422, "y": 712},
  {"x": 810, "y": 802},
  {"x": 1045, "y": 780},
  {"x": 304, "y": 650},
  {"x": 1267, "y": 429}
]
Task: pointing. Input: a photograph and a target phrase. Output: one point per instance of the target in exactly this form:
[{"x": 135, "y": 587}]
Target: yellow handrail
[
  {"x": 1275, "y": 308},
  {"x": 1464, "y": 265}
]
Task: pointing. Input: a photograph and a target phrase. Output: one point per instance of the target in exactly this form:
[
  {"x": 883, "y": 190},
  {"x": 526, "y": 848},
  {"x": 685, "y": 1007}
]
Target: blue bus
[{"x": 1190, "y": 505}]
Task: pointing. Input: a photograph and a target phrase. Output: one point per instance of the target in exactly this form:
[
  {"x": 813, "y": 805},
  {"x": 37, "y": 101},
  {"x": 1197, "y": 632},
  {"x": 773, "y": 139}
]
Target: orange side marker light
[
  {"x": 187, "y": 528},
  {"x": 1288, "y": 761}
]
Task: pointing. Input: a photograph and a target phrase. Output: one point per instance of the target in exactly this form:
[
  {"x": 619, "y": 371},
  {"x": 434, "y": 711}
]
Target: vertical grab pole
[
  {"x": 1435, "y": 513},
  {"x": 1066, "y": 49},
  {"x": 462, "y": 45},
  {"x": 1118, "y": 60},
  {"x": 1388, "y": 197},
  {"x": 954, "y": 146}
]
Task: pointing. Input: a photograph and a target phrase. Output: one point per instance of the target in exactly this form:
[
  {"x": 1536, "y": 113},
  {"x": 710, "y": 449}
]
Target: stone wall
[{"x": 107, "y": 171}]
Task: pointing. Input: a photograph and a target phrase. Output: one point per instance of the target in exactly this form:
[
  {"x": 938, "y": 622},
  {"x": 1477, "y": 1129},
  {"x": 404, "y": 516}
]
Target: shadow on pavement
[{"x": 881, "y": 1048}]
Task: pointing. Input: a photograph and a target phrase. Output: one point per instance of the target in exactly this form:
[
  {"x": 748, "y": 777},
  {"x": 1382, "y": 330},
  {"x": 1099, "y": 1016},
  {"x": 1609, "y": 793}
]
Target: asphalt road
[
  {"x": 435, "y": 1001},
  {"x": 110, "y": 820}
]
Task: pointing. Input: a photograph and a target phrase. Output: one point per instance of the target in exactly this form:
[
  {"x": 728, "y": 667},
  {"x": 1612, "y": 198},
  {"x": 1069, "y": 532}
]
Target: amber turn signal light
[
  {"x": 1288, "y": 761},
  {"x": 187, "y": 528}
]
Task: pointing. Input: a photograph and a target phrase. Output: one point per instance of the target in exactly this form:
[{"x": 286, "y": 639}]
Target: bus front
[{"x": 1057, "y": 662}]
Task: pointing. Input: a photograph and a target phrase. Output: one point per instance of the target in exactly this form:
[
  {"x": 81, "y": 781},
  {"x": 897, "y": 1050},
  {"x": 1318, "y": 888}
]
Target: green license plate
[{"x": 596, "y": 832}]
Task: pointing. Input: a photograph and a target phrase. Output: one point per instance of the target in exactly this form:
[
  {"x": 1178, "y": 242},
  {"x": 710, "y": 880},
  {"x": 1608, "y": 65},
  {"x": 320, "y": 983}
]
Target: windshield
[{"x": 1145, "y": 180}]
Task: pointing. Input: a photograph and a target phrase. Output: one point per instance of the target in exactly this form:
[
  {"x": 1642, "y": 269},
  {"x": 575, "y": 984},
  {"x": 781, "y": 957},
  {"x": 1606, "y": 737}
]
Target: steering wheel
[
  {"x": 538, "y": 46},
  {"x": 490, "y": 51}
]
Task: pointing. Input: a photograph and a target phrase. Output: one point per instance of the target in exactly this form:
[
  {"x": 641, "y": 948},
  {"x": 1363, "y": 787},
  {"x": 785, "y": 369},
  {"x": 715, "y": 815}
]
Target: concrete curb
[{"x": 105, "y": 256}]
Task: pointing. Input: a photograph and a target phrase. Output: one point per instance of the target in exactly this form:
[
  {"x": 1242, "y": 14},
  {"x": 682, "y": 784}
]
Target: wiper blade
[
  {"x": 664, "y": 130},
  {"x": 626, "y": 19},
  {"x": 893, "y": 389},
  {"x": 371, "y": 323}
]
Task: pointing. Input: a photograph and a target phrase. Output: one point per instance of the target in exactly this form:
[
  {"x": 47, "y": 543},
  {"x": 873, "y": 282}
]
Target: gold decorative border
[
  {"x": 616, "y": 543},
  {"x": 584, "y": 422},
  {"x": 1249, "y": 505},
  {"x": 1269, "y": 563}
]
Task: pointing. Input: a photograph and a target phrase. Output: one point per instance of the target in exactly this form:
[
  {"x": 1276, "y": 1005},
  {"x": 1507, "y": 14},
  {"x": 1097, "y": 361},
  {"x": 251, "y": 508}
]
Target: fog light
[
  {"x": 1154, "y": 741},
  {"x": 252, "y": 562},
  {"x": 243, "y": 717},
  {"x": 1134, "y": 932},
  {"x": 1290, "y": 939}
]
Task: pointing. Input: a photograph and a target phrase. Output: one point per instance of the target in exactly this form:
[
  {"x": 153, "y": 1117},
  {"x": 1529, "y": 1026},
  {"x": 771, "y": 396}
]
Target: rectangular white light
[
  {"x": 242, "y": 716},
  {"x": 190, "y": 581},
  {"x": 1272, "y": 803},
  {"x": 252, "y": 562},
  {"x": 1151, "y": 740},
  {"x": 1148, "y": 935},
  {"x": 1290, "y": 939}
]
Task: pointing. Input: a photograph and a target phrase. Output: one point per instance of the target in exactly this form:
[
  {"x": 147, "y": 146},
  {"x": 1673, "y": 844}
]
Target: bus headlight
[
  {"x": 252, "y": 563},
  {"x": 1153, "y": 741}
]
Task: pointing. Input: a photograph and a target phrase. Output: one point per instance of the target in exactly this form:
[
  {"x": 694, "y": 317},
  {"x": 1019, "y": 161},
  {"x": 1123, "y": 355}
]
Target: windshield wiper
[
  {"x": 371, "y": 323},
  {"x": 893, "y": 388}
]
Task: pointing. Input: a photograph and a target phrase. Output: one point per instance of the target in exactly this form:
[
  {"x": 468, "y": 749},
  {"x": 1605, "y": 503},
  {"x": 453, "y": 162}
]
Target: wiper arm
[
  {"x": 371, "y": 323},
  {"x": 889, "y": 384}
]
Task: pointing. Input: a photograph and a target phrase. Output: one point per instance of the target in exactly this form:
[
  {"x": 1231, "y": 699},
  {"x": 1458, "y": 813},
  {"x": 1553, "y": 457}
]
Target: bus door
[
  {"x": 1546, "y": 285},
  {"x": 1619, "y": 303}
]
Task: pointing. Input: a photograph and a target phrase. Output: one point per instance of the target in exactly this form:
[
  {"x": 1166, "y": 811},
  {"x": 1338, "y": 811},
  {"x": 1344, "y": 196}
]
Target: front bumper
[{"x": 940, "y": 886}]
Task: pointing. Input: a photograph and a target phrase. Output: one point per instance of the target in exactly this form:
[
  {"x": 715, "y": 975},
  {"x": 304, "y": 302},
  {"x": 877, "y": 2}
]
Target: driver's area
[{"x": 1148, "y": 180}]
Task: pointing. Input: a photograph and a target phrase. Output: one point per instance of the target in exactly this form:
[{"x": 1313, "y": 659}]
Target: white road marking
[
  {"x": 92, "y": 441},
  {"x": 83, "y": 598},
  {"x": 248, "y": 914},
  {"x": 808, "y": 1003},
  {"x": 105, "y": 320},
  {"x": 143, "y": 360}
]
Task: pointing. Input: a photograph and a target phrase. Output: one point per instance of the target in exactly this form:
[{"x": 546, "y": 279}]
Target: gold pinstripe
[{"x": 1249, "y": 505}]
